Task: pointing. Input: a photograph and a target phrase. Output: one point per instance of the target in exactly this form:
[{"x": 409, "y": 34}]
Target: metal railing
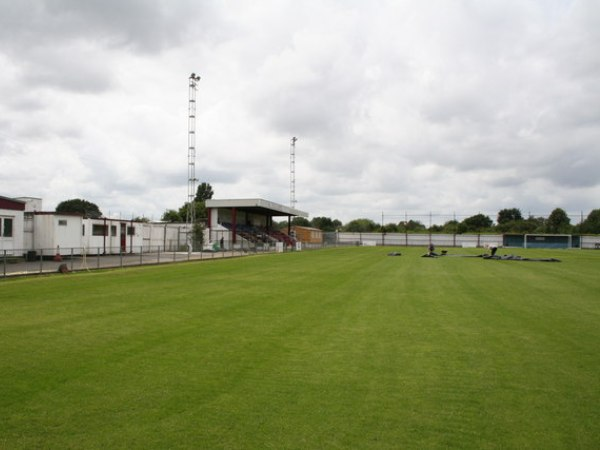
[
  {"x": 31, "y": 262},
  {"x": 40, "y": 261}
]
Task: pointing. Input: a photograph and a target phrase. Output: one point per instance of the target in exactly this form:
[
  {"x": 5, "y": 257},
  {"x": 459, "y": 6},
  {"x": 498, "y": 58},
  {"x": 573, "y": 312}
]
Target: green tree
[
  {"x": 390, "y": 228},
  {"x": 477, "y": 223},
  {"x": 79, "y": 206},
  {"x": 591, "y": 225},
  {"x": 361, "y": 226},
  {"x": 280, "y": 225},
  {"x": 412, "y": 226},
  {"x": 198, "y": 236},
  {"x": 170, "y": 215},
  {"x": 325, "y": 223},
  {"x": 558, "y": 222},
  {"x": 534, "y": 225},
  {"x": 199, "y": 211},
  {"x": 300, "y": 221},
  {"x": 204, "y": 192},
  {"x": 450, "y": 227},
  {"x": 509, "y": 215},
  {"x": 510, "y": 220}
]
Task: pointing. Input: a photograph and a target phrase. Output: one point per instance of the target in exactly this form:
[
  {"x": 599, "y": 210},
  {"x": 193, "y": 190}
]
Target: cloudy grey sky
[{"x": 400, "y": 106}]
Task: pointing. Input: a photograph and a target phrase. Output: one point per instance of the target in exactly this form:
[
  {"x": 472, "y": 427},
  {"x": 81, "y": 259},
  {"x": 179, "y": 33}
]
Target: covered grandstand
[{"x": 235, "y": 221}]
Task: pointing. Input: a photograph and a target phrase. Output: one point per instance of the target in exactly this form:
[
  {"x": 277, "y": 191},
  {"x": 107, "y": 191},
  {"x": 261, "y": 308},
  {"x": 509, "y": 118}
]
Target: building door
[{"x": 123, "y": 237}]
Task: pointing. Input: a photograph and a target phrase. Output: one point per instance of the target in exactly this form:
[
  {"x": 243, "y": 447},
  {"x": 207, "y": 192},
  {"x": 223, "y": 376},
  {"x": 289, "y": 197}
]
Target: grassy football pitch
[{"x": 332, "y": 349}]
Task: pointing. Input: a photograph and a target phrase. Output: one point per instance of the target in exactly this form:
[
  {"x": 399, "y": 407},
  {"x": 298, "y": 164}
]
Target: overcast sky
[{"x": 400, "y": 107}]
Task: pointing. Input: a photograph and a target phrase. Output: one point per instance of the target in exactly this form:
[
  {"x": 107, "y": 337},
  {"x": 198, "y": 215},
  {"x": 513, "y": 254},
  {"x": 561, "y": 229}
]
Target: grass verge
[{"x": 341, "y": 348}]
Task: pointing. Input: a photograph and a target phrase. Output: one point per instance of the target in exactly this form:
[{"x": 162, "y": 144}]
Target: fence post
[
  {"x": 158, "y": 255},
  {"x": 121, "y": 257},
  {"x": 141, "y": 253},
  {"x": 97, "y": 257},
  {"x": 4, "y": 264},
  {"x": 71, "y": 259},
  {"x": 41, "y": 260}
]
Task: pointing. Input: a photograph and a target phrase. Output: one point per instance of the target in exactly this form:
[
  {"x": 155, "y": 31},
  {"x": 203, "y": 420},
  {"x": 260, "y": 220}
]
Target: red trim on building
[
  {"x": 233, "y": 224},
  {"x": 9, "y": 203},
  {"x": 54, "y": 213}
]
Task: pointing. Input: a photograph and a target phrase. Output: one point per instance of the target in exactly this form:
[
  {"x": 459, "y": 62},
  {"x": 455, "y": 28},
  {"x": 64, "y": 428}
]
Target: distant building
[
  {"x": 26, "y": 229},
  {"x": 241, "y": 222},
  {"x": 307, "y": 235},
  {"x": 12, "y": 213}
]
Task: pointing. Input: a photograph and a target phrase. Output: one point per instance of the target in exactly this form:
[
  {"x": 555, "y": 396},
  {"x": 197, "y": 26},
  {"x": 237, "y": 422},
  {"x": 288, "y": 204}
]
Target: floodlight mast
[
  {"x": 191, "y": 210},
  {"x": 293, "y": 172}
]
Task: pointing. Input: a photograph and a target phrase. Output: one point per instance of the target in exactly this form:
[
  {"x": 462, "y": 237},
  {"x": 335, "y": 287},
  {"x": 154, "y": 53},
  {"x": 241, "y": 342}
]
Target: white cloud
[{"x": 454, "y": 107}]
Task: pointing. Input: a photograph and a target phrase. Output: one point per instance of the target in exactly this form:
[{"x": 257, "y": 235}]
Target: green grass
[{"x": 341, "y": 348}]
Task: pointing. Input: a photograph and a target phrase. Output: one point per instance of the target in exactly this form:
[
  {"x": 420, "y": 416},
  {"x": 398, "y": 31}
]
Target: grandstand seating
[
  {"x": 282, "y": 237},
  {"x": 260, "y": 235}
]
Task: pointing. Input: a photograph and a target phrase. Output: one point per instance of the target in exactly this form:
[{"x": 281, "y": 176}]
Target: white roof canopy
[{"x": 256, "y": 204}]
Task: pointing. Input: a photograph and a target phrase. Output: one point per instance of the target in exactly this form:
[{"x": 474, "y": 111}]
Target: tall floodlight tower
[
  {"x": 293, "y": 172},
  {"x": 191, "y": 210}
]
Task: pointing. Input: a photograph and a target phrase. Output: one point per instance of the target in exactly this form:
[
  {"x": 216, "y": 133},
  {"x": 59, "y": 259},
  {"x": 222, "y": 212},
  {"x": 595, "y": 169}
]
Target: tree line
[
  {"x": 509, "y": 220},
  {"x": 203, "y": 192}
]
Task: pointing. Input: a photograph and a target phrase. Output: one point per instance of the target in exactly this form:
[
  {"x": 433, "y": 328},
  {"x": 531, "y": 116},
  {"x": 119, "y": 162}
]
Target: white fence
[
  {"x": 439, "y": 240},
  {"x": 418, "y": 240},
  {"x": 590, "y": 242}
]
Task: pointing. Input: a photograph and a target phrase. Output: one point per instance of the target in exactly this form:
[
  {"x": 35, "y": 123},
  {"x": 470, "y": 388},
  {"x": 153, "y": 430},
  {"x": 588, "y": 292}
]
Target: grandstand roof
[{"x": 256, "y": 205}]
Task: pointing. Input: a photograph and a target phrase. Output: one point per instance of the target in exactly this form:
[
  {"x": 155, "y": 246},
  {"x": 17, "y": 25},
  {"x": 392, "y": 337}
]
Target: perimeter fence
[
  {"x": 44, "y": 261},
  {"x": 41, "y": 261},
  {"x": 453, "y": 240}
]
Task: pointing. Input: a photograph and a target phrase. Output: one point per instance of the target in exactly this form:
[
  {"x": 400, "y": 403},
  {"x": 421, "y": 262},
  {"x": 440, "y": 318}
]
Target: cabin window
[
  {"x": 98, "y": 230},
  {"x": 113, "y": 230},
  {"x": 130, "y": 231},
  {"x": 7, "y": 227},
  {"x": 62, "y": 223}
]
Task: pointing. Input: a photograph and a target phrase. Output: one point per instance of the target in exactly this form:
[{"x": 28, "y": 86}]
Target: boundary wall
[
  {"x": 45, "y": 260},
  {"x": 589, "y": 242},
  {"x": 417, "y": 239}
]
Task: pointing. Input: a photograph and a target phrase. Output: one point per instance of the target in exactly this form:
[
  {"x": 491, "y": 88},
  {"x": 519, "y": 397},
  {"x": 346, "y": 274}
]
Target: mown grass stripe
[{"x": 344, "y": 348}]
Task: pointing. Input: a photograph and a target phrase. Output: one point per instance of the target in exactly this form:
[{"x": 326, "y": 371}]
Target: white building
[
  {"x": 26, "y": 228},
  {"x": 12, "y": 212}
]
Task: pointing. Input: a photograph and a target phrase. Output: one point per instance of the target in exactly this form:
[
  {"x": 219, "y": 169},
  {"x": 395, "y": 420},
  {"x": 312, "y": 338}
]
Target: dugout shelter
[
  {"x": 541, "y": 240},
  {"x": 248, "y": 219}
]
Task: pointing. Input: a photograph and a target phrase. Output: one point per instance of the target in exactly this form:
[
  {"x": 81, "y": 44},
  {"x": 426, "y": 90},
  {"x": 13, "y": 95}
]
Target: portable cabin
[{"x": 11, "y": 225}]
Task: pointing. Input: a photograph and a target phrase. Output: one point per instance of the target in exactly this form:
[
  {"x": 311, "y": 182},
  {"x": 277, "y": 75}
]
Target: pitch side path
[
  {"x": 39, "y": 266},
  {"x": 333, "y": 349}
]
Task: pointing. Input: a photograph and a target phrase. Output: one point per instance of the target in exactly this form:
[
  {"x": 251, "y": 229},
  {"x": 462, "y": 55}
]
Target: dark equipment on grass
[
  {"x": 492, "y": 256},
  {"x": 519, "y": 258},
  {"x": 63, "y": 269}
]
